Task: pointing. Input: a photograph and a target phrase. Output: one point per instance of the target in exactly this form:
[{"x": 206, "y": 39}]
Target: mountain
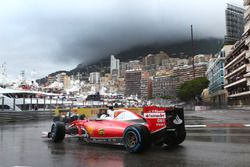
[{"x": 180, "y": 49}]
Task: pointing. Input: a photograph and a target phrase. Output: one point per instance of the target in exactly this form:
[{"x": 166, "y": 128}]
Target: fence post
[
  {"x": 44, "y": 103},
  {"x": 23, "y": 103},
  {"x": 50, "y": 102},
  {"x": 2, "y": 103},
  {"x": 14, "y": 104},
  {"x": 31, "y": 102}
]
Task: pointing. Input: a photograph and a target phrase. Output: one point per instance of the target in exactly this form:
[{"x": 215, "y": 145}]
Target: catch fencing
[{"x": 14, "y": 116}]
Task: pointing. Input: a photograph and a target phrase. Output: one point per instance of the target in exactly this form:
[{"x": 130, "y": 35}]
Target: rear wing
[{"x": 160, "y": 118}]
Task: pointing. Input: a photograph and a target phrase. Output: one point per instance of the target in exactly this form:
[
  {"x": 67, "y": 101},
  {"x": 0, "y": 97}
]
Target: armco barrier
[{"x": 14, "y": 116}]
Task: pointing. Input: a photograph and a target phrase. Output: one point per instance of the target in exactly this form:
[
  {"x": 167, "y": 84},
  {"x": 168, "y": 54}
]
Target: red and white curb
[{"x": 217, "y": 125}]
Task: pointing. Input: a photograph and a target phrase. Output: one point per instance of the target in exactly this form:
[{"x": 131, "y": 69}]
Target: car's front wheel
[
  {"x": 136, "y": 138},
  {"x": 58, "y": 131}
]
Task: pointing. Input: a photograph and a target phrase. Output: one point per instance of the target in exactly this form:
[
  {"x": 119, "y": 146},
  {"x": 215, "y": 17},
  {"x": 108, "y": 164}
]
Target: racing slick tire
[
  {"x": 136, "y": 138},
  {"x": 58, "y": 131},
  {"x": 175, "y": 138}
]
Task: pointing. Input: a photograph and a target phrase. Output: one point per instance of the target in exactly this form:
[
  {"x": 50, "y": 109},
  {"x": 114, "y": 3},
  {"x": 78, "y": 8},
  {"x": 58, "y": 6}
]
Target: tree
[{"x": 190, "y": 90}]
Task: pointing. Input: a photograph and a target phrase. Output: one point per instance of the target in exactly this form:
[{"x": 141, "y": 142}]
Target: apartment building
[
  {"x": 237, "y": 66},
  {"x": 234, "y": 23},
  {"x": 133, "y": 83},
  {"x": 186, "y": 73},
  {"x": 94, "y": 77},
  {"x": 146, "y": 85},
  {"x": 215, "y": 73},
  {"x": 164, "y": 86}
]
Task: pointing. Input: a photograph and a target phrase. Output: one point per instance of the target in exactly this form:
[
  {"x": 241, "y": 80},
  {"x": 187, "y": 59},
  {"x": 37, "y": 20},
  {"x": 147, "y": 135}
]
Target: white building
[
  {"x": 114, "y": 67},
  {"x": 94, "y": 78}
]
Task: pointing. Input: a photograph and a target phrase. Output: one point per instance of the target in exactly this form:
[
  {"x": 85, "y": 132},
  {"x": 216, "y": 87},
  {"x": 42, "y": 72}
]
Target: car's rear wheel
[
  {"x": 136, "y": 138},
  {"x": 58, "y": 131}
]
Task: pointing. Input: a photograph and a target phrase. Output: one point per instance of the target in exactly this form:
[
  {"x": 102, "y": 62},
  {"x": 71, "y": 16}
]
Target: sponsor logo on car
[
  {"x": 154, "y": 115},
  {"x": 101, "y": 132},
  {"x": 177, "y": 120}
]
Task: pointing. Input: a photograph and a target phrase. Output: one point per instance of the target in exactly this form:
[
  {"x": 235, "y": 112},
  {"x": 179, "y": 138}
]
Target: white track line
[
  {"x": 195, "y": 126},
  {"x": 204, "y": 126}
]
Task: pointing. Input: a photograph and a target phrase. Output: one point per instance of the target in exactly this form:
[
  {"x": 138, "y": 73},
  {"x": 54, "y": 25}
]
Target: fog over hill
[{"x": 180, "y": 49}]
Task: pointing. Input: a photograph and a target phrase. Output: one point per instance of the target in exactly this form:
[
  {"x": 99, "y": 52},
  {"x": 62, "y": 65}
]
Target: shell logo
[{"x": 101, "y": 132}]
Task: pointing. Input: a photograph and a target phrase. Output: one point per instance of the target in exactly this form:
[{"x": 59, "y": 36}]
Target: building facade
[
  {"x": 237, "y": 66},
  {"x": 133, "y": 83},
  {"x": 146, "y": 86},
  {"x": 215, "y": 75},
  {"x": 234, "y": 23},
  {"x": 94, "y": 77},
  {"x": 114, "y": 67},
  {"x": 164, "y": 86},
  {"x": 187, "y": 73}
]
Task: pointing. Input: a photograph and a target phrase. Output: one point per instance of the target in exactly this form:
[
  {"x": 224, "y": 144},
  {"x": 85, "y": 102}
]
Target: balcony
[
  {"x": 235, "y": 83},
  {"x": 240, "y": 94},
  {"x": 246, "y": 13},
  {"x": 246, "y": 27},
  {"x": 248, "y": 68},
  {"x": 248, "y": 81},
  {"x": 247, "y": 40},
  {"x": 236, "y": 71},
  {"x": 235, "y": 59},
  {"x": 246, "y": 2},
  {"x": 247, "y": 54}
]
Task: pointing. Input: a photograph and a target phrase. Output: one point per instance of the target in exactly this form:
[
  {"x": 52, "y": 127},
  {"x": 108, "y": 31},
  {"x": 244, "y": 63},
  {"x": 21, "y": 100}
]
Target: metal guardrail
[
  {"x": 28, "y": 104},
  {"x": 13, "y": 116}
]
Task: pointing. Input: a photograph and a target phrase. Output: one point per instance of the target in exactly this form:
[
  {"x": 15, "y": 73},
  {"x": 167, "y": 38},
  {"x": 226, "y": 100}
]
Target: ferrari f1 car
[{"x": 156, "y": 125}]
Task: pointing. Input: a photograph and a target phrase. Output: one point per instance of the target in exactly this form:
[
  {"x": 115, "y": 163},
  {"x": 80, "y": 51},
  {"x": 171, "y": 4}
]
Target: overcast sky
[{"x": 50, "y": 35}]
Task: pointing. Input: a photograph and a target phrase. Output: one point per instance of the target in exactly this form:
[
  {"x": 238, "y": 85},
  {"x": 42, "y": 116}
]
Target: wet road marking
[
  {"x": 195, "y": 126},
  {"x": 217, "y": 125},
  {"x": 225, "y": 125},
  {"x": 22, "y": 166}
]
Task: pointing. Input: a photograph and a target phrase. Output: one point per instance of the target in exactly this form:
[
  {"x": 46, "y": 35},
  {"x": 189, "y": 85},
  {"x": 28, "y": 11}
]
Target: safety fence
[{"x": 13, "y": 116}]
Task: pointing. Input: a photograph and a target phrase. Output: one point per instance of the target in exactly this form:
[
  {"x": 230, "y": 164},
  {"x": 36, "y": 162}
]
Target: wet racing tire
[
  {"x": 58, "y": 131},
  {"x": 136, "y": 138}
]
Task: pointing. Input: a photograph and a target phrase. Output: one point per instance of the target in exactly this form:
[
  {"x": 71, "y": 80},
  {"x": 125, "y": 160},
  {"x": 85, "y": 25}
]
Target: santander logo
[{"x": 177, "y": 120}]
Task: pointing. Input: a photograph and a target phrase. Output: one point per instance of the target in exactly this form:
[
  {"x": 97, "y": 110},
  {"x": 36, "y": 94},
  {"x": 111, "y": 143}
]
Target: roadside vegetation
[{"x": 190, "y": 91}]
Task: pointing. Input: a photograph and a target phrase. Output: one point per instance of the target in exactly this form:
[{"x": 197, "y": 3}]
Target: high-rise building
[
  {"x": 164, "y": 86},
  {"x": 215, "y": 74},
  {"x": 114, "y": 67},
  {"x": 234, "y": 23},
  {"x": 123, "y": 69},
  {"x": 94, "y": 78},
  {"x": 133, "y": 83},
  {"x": 185, "y": 73},
  {"x": 146, "y": 85},
  {"x": 134, "y": 65},
  {"x": 237, "y": 66},
  {"x": 51, "y": 79}
]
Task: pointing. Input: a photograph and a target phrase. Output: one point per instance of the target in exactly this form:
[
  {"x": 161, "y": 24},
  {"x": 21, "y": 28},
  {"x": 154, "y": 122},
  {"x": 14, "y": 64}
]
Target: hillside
[{"x": 181, "y": 49}]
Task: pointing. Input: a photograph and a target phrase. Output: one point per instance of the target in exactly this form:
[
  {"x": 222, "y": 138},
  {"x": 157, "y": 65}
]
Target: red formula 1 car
[{"x": 157, "y": 125}]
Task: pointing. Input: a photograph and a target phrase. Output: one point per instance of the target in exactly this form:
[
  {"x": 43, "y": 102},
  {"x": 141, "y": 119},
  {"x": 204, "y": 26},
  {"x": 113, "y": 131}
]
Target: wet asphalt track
[{"x": 21, "y": 145}]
